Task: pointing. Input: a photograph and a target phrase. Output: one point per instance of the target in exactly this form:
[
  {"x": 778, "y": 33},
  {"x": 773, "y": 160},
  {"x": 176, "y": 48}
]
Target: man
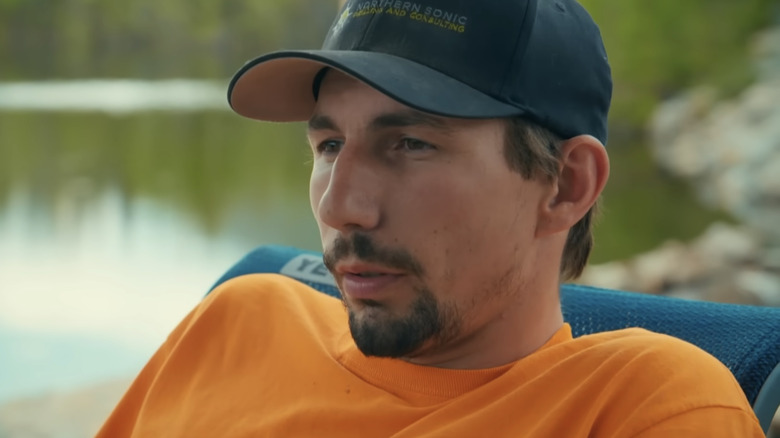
[{"x": 457, "y": 157}]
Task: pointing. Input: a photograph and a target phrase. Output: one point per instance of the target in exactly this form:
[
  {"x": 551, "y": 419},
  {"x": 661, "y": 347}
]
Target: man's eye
[
  {"x": 329, "y": 147},
  {"x": 412, "y": 144}
]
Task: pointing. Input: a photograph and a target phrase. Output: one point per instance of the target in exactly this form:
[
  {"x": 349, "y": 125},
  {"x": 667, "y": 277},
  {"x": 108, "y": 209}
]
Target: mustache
[{"x": 363, "y": 248}]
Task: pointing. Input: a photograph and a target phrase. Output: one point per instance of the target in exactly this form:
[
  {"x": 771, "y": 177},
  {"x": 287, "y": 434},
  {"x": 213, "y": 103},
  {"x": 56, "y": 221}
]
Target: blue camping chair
[{"x": 745, "y": 338}]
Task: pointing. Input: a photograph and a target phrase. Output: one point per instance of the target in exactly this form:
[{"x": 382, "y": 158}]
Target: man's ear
[{"x": 582, "y": 173}]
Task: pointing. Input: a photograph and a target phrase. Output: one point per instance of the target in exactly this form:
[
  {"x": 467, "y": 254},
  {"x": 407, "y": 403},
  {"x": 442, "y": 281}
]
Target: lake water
[{"x": 121, "y": 202}]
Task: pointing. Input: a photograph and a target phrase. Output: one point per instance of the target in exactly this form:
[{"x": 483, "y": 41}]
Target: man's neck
[{"x": 516, "y": 334}]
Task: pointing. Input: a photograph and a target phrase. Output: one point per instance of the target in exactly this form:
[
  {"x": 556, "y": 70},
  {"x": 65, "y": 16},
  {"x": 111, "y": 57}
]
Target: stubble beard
[
  {"x": 378, "y": 330},
  {"x": 381, "y": 334}
]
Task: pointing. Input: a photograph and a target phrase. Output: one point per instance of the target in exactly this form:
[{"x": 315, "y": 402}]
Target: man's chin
[{"x": 377, "y": 333}]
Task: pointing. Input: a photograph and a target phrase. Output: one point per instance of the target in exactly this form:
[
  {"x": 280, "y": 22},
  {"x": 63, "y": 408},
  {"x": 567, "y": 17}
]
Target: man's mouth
[
  {"x": 367, "y": 284},
  {"x": 369, "y": 274}
]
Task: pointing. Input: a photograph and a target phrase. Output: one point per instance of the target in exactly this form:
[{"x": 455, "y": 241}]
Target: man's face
[{"x": 429, "y": 234}]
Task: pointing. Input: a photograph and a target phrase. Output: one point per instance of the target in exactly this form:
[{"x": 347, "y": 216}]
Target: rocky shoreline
[
  {"x": 730, "y": 152},
  {"x": 726, "y": 263}
]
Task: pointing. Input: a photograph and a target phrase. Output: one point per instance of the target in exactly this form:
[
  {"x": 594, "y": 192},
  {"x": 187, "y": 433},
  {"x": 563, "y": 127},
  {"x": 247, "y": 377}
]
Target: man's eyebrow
[
  {"x": 319, "y": 122},
  {"x": 398, "y": 119},
  {"x": 405, "y": 118}
]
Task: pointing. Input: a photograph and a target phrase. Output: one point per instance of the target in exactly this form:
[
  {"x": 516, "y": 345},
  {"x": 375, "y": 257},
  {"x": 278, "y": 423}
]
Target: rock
[
  {"x": 678, "y": 114},
  {"x": 771, "y": 258},
  {"x": 723, "y": 244},
  {"x": 672, "y": 263},
  {"x": 75, "y": 414},
  {"x": 613, "y": 275},
  {"x": 725, "y": 264},
  {"x": 732, "y": 155},
  {"x": 765, "y": 286},
  {"x": 766, "y": 50}
]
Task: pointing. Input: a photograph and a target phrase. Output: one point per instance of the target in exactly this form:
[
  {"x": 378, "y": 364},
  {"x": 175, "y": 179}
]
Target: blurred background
[{"x": 127, "y": 186}]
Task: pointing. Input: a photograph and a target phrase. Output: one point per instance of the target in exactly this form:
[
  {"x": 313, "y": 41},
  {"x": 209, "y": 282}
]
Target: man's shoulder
[
  {"x": 659, "y": 352},
  {"x": 637, "y": 340},
  {"x": 265, "y": 289},
  {"x": 267, "y": 300},
  {"x": 650, "y": 361},
  {"x": 638, "y": 380},
  {"x": 261, "y": 308}
]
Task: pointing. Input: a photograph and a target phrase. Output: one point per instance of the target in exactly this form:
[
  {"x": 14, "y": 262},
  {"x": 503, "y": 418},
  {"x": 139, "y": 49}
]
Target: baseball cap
[{"x": 543, "y": 60}]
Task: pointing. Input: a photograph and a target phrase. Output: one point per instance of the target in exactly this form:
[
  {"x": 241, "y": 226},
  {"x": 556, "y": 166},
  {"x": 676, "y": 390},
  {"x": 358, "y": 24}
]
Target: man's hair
[{"x": 535, "y": 152}]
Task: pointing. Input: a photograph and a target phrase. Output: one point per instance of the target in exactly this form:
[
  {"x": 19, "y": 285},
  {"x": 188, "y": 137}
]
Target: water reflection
[
  {"x": 112, "y": 226},
  {"x": 115, "y": 96},
  {"x": 92, "y": 278},
  {"x": 89, "y": 291}
]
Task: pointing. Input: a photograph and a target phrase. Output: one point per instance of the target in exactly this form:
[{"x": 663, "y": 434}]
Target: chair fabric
[{"x": 745, "y": 338}]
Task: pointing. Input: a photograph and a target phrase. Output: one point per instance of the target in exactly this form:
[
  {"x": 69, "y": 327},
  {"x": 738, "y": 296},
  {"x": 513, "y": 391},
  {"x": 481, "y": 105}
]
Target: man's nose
[{"x": 351, "y": 200}]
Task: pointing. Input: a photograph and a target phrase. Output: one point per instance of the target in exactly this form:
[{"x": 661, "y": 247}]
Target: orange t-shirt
[{"x": 264, "y": 355}]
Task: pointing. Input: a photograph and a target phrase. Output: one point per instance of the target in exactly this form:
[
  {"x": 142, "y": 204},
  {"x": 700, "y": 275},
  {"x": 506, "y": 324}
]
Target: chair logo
[{"x": 308, "y": 267}]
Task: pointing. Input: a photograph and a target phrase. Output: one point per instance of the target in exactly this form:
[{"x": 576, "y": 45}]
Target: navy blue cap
[{"x": 540, "y": 59}]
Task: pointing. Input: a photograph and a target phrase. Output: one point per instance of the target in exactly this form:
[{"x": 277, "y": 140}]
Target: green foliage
[
  {"x": 204, "y": 163},
  {"x": 41, "y": 39},
  {"x": 660, "y": 47}
]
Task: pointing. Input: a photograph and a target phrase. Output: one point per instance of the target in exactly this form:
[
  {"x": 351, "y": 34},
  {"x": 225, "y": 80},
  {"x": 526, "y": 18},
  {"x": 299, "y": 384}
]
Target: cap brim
[{"x": 278, "y": 86}]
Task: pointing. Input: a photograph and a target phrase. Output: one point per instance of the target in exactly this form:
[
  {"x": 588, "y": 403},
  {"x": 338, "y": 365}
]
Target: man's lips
[{"x": 366, "y": 282}]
